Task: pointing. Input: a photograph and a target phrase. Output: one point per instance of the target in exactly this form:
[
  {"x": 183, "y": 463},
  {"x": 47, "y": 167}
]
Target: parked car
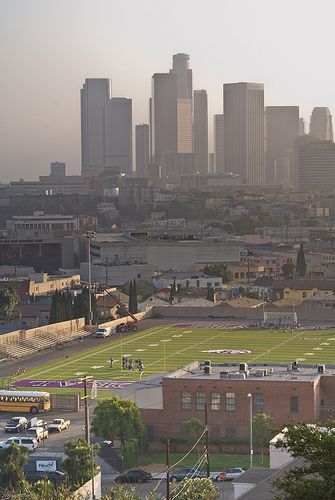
[
  {"x": 104, "y": 332},
  {"x": 38, "y": 422},
  {"x": 134, "y": 476},
  {"x": 38, "y": 432},
  {"x": 58, "y": 425},
  {"x": 233, "y": 473},
  {"x": 27, "y": 442},
  {"x": 179, "y": 475},
  {"x": 219, "y": 476},
  {"x": 16, "y": 424}
]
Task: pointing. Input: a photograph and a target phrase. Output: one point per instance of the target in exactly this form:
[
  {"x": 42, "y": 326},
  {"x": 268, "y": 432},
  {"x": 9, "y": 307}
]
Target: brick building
[{"x": 288, "y": 395}]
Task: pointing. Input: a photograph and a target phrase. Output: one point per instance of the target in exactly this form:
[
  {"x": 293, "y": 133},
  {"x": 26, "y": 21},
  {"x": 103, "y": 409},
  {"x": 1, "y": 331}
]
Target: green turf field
[{"x": 167, "y": 347}]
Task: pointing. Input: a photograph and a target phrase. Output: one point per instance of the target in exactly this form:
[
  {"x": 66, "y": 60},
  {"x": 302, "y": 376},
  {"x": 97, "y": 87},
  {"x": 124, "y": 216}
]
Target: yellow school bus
[{"x": 25, "y": 401}]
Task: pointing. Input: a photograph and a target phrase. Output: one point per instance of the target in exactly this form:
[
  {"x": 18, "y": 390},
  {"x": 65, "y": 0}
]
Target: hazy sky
[{"x": 49, "y": 47}]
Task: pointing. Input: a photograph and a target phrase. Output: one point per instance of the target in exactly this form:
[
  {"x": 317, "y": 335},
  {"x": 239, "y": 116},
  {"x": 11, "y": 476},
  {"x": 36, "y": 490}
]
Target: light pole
[
  {"x": 90, "y": 235},
  {"x": 251, "y": 449}
]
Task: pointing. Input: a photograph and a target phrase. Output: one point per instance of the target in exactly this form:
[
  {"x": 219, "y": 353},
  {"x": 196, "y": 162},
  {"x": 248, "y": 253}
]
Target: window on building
[
  {"x": 209, "y": 284},
  {"x": 230, "y": 401},
  {"x": 185, "y": 400},
  {"x": 215, "y": 401},
  {"x": 294, "y": 404},
  {"x": 200, "y": 400},
  {"x": 236, "y": 276},
  {"x": 258, "y": 402},
  {"x": 230, "y": 433},
  {"x": 217, "y": 284},
  {"x": 304, "y": 295},
  {"x": 242, "y": 274}
]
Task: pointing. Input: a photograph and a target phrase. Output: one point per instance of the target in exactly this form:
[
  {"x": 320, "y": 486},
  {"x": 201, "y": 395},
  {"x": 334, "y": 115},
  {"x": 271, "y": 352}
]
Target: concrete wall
[
  {"x": 305, "y": 312},
  {"x": 64, "y": 327},
  {"x": 85, "y": 491}
]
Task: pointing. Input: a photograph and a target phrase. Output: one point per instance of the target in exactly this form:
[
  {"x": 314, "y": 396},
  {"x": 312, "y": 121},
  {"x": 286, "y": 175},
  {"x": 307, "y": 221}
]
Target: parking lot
[{"x": 55, "y": 440}]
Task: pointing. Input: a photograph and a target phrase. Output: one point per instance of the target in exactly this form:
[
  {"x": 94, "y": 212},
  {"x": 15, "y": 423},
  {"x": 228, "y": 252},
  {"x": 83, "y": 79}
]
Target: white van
[
  {"x": 27, "y": 442},
  {"x": 103, "y": 332}
]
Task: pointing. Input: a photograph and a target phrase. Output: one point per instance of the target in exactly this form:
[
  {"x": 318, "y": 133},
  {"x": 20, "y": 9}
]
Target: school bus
[{"x": 25, "y": 401}]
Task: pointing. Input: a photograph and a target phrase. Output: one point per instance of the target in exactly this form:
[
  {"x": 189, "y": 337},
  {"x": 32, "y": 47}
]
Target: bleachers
[{"x": 41, "y": 341}]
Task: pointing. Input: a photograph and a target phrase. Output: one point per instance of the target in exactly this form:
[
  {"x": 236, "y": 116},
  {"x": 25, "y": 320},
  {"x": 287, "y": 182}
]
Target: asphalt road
[{"x": 56, "y": 440}]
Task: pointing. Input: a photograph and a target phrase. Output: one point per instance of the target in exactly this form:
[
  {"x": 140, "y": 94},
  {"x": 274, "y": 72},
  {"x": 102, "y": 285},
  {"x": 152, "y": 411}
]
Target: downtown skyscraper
[
  {"x": 200, "y": 131},
  {"x": 281, "y": 130},
  {"x": 243, "y": 105},
  {"x": 106, "y": 128},
  {"x": 321, "y": 124},
  {"x": 142, "y": 149},
  {"x": 171, "y": 119}
]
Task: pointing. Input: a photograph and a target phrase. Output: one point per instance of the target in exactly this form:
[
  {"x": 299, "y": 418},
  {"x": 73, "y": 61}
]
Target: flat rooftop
[{"x": 253, "y": 371}]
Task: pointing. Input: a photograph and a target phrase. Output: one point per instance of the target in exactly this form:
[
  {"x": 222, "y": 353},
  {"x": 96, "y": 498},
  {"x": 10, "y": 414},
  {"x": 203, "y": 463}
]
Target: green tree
[
  {"x": 196, "y": 489},
  {"x": 116, "y": 417},
  {"x": 264, "y": 429},
  {"x": 220, "y": 270},
  {"x": 192, "y": 429},
  {"x": 78, "y": 461},
  {"x": 314, "y": 479},
  {"x": 131, "y": 297},
  {"x": 301, "y": 262},
  {"x": 288, "y": 269},
  {"x": 210, "y": 293},
  {"x": 172, "y": 294},
  {"x": 81, "y": 305},
  {"x": 12, "y": 460},
  {"x": 121, "y": 492},
  {"x": 135, "y": 305},
  {"x": 8, "y": 303}
]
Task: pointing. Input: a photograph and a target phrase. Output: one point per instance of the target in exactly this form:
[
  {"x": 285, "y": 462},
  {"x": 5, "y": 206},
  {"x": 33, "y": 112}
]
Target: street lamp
[
  {"x": 251, "y": 449},
  {"x": 90, "y": 235}
]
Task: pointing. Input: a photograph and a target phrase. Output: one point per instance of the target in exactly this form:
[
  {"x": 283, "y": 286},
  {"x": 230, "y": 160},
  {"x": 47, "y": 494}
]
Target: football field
[{"x": 167, "y": 347}]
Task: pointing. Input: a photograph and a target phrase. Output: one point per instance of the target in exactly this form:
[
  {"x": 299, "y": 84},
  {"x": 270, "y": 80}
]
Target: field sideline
[{"x": 167, "y": 347}]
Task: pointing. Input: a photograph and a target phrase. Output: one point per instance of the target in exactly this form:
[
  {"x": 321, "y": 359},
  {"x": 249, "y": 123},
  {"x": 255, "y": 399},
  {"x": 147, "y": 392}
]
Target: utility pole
[
  {"x": 207, "y": 442},
  {"x": 87, "y": 420},
  {"x": 90, "y": 235},
  {"x": 168, "y": 469}
]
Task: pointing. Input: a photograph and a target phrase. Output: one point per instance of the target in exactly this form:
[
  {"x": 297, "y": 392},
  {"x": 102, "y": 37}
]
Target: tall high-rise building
[
  {"x": 180, "y": 68},
  {"x": 118, "y": 134},
  {"x": 142, "y": 149},
  {"x": 315, "y": 164},
  {"x": 106, "y": 128},
  {"x": 94, "y": 95},
  {"x": 281, "y": 129},
  {"x": 244, "y": 131},
  {"x": 321, "y": 124},
  {"x": 171, "y": 132},
  {"x": 200, "y": 131},
  {"x": 163, "y": 116},
  {"x": 219, "y": 143}
]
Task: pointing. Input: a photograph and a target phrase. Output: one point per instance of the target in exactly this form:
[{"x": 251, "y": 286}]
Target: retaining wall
[{"x": 72, "y": 325}]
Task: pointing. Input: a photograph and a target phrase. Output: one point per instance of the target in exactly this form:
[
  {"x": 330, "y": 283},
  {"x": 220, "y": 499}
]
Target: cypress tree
[
  {"x": 301, "y": 262},
  {"x": 131, "y": 297},
  {"x": 135, "y": 304},
  {"x": 210, "y": 293}
]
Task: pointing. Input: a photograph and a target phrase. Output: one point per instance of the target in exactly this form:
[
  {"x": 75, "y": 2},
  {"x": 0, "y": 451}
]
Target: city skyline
[{"x": 48, "y": 51}]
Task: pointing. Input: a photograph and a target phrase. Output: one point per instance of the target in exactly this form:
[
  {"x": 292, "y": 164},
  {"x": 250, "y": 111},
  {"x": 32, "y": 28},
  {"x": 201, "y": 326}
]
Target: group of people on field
[{"x": 128, "y": 364}]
